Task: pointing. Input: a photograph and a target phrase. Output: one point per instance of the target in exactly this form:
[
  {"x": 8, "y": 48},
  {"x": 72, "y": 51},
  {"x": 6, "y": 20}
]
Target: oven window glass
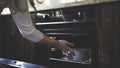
[{"x": 82, "y": 55}]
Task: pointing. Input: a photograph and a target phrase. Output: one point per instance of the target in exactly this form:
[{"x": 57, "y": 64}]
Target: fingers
[
  {"x": 70, "y": 50},
  {"x": 69, "y": 53},
  {"x": 66, "y": 50}
]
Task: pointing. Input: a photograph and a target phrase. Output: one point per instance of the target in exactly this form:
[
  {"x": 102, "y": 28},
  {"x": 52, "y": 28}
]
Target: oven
[{"x": 82, "y": 34}]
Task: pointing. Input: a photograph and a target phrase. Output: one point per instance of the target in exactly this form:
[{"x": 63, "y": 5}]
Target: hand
[{"x": 64, "y": 46}]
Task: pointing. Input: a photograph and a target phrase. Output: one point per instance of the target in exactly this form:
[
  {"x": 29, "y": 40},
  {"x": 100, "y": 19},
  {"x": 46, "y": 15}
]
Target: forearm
[{"x": 48, "y": 41}]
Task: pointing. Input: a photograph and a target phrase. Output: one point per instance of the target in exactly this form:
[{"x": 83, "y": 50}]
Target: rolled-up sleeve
[{"x": 24, "y": 23}]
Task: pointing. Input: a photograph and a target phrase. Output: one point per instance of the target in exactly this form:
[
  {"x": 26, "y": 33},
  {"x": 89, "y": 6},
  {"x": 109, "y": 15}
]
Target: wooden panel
[
  {"x": 115, "y": 48},
  {"x": 109, "y": 35},
  {"x": 12, "y": 44}
]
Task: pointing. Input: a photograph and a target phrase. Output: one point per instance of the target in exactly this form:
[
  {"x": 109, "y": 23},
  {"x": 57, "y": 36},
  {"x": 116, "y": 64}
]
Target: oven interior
[{"x": 82, "y": 34}]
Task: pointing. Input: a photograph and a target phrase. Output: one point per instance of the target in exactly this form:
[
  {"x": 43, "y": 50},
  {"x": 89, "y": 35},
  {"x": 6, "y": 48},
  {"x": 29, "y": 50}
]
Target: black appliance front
[{"x": 82, "y": 34}]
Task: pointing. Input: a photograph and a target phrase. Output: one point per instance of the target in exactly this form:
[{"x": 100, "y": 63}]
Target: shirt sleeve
[{"x": 24, "y": 23}]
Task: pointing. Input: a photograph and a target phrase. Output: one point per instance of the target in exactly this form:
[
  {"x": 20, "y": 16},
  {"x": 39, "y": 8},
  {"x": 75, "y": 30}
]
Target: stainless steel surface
[
  {"x": 82, "y": 56},
  {"x": 53, "y": 4},
  {"x": 19, "y": 64}
]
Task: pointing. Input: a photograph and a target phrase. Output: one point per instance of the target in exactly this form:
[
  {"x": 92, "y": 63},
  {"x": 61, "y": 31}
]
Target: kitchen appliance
[{"x": 82, "y": 33}]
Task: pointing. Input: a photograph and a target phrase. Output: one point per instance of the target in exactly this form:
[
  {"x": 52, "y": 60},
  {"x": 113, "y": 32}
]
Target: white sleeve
[{"x": 24, "y": 23}]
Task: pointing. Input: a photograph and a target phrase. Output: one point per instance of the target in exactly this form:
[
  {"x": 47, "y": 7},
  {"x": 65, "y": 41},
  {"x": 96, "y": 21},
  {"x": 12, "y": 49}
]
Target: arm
[
  {"x": 24, "y": 23},
  {"x": 28, "y": 30}
]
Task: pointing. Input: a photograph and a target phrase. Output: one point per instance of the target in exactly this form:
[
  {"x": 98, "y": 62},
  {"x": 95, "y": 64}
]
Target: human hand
[{"x": 64, "y": 46}]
